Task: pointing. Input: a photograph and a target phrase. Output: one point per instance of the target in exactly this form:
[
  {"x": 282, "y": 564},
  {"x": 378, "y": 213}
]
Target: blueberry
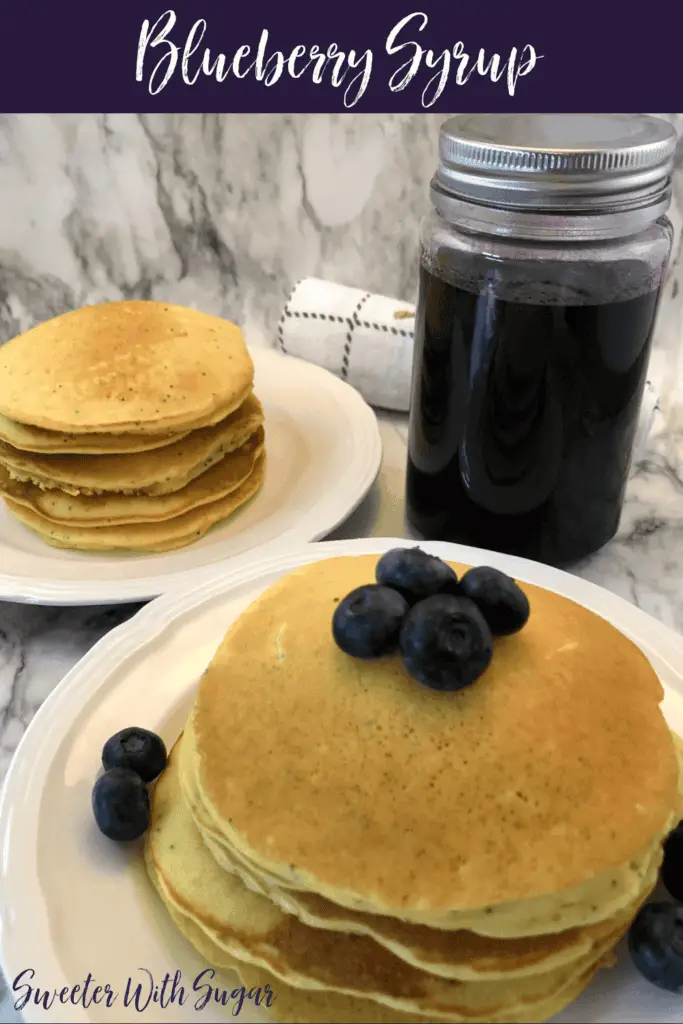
[
  {"x": 445, "y": 642},
  {"x": 138, "y": 749},
  {"x": 120, "y": 803},
  {"x": 503, "y": 604},
  {"x": 415, "y": 574},
  {"x": 672, "y": 865},
  {"x": 655, "y": 943},
  {"x": 367, "y": 622}
]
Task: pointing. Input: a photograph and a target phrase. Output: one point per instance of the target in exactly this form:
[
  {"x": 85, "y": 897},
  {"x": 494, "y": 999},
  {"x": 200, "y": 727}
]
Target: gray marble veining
[
  {"x": 37, "y": 647},
  {"x": 226, "y": 213},
  {"x": 220, "y": 211}
]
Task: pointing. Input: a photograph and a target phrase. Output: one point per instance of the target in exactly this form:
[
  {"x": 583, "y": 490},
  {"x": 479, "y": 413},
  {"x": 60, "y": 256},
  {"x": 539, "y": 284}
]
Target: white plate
[
  {"x": 324, "y": 453},
  {"x": 71, "y": 902}
]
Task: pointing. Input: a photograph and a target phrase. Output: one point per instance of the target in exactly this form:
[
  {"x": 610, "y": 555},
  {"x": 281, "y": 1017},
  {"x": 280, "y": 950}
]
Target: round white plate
[
  {"x": 324, "y": 453},
  {"x": 72, "y": 903}
]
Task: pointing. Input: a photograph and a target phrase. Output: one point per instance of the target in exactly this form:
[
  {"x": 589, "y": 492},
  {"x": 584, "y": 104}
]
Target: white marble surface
[{"x": 225, "y": 213}]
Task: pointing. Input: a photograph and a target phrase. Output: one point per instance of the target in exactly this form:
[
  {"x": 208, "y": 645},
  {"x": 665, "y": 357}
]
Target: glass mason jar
[{"x": 540, "y": 272}]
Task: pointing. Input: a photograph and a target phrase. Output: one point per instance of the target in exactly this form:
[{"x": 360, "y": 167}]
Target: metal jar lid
[{"x": 557, "y": 163}]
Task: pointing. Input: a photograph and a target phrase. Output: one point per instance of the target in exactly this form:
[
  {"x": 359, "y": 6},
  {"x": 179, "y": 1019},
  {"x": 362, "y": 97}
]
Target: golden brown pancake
[
  {"x": 100, "y": 510},
  {"x": 289, "y": 1004},
  {"x": 251, "y": 928},
  {"x": 555, "y": 766},
  {"x": 151, "y": 536},
  {"x": 594, "y": 901},
  {"x": 133, "y": 367},
  {"x": 161, "y": 471},
  {"x": 331, "y": 850},
  {"x": 200, "y": 876},
  {"x": 459, "y": 954},
  {"x": 306, "y": 1006},
  {"x": 23, "y": 437}
]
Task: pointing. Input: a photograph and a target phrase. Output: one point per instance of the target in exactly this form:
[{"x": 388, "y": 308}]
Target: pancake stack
[
  {"x": 128, "y": 426},
  {"x": 377, "y": 851}
]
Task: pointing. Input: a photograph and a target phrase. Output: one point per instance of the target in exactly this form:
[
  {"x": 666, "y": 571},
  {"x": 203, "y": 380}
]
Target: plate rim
[
  {"x": 35, "y": 752},
  {"x": 82, "y": 593}
]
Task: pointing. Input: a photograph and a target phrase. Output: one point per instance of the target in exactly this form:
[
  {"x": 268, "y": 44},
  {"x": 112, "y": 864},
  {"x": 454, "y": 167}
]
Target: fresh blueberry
[
  {"x": 138, "y": 749},
  {"x": 367, "y": 622},
  {"x": 672, "y": 865},
  {"x": 415, "y": 574},
  {"x": 503, "y": 604},
  {"x": 655, "y": 943},
  {"x": 445, "y": 642},
  {"x": 120, "y": 803}
]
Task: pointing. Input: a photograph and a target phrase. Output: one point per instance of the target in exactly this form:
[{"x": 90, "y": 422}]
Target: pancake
[
  {"x": 301, "y": 1006},
  {"x": 253, "y": 929},
  {"x": 133, "y": 367},
  {"x": 289, "y": 1004},
  {"x": 25, "y": 438},
  {"x": 431, "y": 947},
  {"x": 556, "y": 767},
  {"x": 597, "y": 899},
  {"x": 459, "y": 954},
  {"x": 159, "y": 472},
  {"x": 150, "y": 536},
  {"x": 116, "y": 509}
]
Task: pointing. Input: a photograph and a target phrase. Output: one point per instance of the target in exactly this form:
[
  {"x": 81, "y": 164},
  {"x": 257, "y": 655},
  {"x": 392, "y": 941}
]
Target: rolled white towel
[
  {"x": 367, "y": 340},
  {"x": 363, "y": 338}
]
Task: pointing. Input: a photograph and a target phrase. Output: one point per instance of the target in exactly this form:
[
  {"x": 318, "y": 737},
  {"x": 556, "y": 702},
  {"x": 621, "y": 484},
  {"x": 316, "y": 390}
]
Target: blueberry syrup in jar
[{"x": 532, "y": 337}]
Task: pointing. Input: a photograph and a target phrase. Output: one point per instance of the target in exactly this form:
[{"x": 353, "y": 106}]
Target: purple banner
[{"x": 214, "y": 55}]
